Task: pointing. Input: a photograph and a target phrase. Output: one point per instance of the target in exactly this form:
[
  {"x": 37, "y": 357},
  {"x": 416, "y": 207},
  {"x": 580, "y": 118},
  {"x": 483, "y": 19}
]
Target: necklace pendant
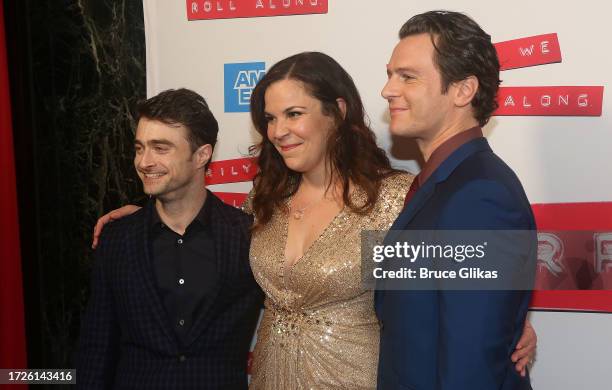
[{"x": 298, "y": 214}]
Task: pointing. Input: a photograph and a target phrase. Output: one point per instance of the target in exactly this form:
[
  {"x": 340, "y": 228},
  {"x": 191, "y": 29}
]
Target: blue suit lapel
[{"x": 419, "y": 200}]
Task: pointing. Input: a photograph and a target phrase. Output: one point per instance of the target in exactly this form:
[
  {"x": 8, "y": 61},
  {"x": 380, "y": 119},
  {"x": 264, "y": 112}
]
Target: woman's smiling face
[{"x": 297, "y": 126}]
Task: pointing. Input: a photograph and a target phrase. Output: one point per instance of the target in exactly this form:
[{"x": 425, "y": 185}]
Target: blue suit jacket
[
  {"x": 457, "y": 339},
  {"x": 127, "y": 341}
]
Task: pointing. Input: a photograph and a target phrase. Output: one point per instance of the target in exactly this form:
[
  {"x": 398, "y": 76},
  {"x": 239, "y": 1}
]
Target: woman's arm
[{"x": 110, "y": 217}]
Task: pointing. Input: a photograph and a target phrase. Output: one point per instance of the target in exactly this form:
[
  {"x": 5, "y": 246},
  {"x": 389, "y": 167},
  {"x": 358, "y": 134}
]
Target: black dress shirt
[{"x": 185, "y": 267}]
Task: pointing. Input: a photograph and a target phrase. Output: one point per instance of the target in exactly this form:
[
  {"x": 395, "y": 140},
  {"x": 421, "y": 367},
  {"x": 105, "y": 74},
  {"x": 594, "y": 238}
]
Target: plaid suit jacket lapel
[
  {"x": 140, "y": 241},
  {"x": 224, "y": 236}
]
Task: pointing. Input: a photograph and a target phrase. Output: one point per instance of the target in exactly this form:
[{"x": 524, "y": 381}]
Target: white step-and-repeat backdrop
[{"x": 554, "y": 126}]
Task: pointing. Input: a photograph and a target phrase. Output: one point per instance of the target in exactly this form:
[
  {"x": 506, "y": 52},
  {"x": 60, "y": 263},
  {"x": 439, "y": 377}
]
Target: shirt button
[
  {"x": 182, "y": 358},
  {"x": 181, "y": 281},
  {"x": 180, "y": 241},
  {"x": 181, "y": 322}
]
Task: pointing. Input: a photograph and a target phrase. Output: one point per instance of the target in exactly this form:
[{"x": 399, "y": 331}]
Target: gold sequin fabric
[{"x": 319, "y": 329}]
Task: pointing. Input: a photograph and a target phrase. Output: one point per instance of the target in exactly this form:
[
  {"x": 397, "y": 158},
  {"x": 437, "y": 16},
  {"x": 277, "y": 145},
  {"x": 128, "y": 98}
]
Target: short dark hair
[
  {"x": 462, "y": 49},
  {"x": 354, "y": 156},
  {"x": 185, "y": 107}
]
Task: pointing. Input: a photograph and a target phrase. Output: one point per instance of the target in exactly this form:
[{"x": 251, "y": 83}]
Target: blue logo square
[{"x": 239, "y": 81}]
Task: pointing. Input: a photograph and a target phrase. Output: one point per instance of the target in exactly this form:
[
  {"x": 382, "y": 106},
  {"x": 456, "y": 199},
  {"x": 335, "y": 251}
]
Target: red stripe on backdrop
[
  {"x": 251, "y": 9},
  {"x": 232, "y": 198},
  {"x": 529, "y": 51},
  {"x": 12, "y": 325},
  {"x": 573, "y": 216},
  {"x": 550, "y": 101},
  {"x": 595, "y": 216},
  {"x": 231, "y": 171}
]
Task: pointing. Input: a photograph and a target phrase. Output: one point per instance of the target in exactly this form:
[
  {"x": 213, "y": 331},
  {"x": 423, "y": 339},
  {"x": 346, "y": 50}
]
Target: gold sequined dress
[{"x": 319, "y": 329}]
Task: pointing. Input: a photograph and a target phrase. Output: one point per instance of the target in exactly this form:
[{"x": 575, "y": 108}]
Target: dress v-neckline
[{"x": 284, "y": 266}]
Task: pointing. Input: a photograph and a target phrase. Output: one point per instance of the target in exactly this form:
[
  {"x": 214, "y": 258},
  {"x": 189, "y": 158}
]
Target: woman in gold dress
[{"x": 322, "y": 181}]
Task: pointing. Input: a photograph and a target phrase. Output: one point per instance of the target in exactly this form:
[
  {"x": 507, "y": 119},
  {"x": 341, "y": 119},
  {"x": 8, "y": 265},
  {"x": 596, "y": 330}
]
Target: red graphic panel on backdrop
[
  {"x": 228, "y": 9},
  {"x": 530, "y": 51},
  {"x": 550, "y": 101},
  {"x": 232, "y": 198},
  {"x": 574, "y": 252},
  {"x": 231, "y": 171}
]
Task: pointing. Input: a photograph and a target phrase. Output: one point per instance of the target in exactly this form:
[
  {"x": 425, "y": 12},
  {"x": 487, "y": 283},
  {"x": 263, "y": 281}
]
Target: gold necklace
[{"x": 298, "y": 213}]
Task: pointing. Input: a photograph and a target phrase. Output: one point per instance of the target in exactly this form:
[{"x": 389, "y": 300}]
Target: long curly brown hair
[{"x": 353, "y": 153}]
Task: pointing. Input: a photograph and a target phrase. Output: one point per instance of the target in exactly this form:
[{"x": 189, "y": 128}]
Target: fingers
[
  {"x": 523, "y": 355},
  {"x": 94, "y": 243},
  {"x": 103, "y": 220},
  {"x": 109, "y": 217},
  {"x": 522, "y": 363},
  {"x": 529, "y": 338},
  {"x": 525, "y": 351}
]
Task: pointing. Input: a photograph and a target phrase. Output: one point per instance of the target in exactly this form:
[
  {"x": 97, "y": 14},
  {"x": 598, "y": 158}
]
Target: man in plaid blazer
[{"x": 174, "y": 303}]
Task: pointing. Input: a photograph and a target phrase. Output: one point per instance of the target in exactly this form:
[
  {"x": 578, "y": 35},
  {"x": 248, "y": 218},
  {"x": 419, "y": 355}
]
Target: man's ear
[
  {"x": 342, "y": 106},
  {"x": 203, "y": 155},
  {"x": 465, "y": 90}
]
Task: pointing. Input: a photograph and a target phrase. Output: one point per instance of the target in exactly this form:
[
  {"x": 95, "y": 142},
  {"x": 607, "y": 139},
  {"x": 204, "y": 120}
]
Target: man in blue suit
[{"x": 443, "y": 78}]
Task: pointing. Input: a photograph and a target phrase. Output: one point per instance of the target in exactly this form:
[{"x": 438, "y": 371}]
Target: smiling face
[
  {"x": 164, "y": 160},
  {"x": 417, "y": 105},
  {"x": 297, "y": 126}
]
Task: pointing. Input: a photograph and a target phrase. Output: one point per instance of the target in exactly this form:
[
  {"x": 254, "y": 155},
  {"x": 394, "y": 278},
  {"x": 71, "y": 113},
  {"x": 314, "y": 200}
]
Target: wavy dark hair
[
  {"x": 185, "y": 107},
  {"x": 353, "y": 153},
  {"x": 462, "y": 49}
]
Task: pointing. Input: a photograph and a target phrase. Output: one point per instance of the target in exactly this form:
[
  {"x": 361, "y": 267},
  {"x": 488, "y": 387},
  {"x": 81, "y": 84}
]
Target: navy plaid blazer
[{"x": 127, "y": 341}]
